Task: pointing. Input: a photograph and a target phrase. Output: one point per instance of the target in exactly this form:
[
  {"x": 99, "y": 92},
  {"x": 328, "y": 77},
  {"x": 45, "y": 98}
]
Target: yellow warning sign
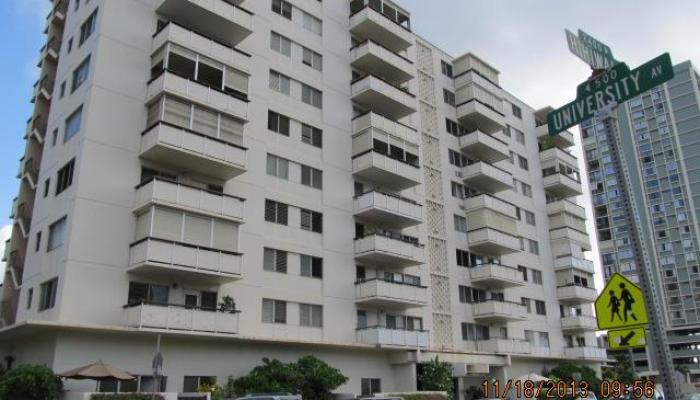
[
  {"x": 623, "y": 339},
  {"x": 620, "y": 305}
]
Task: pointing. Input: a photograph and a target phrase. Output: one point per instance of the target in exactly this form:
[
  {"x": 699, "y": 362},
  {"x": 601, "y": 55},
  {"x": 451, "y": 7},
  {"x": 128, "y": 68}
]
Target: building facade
[
  {"x": 256, "y": 179},
  {"x": 643, "y": 168}
]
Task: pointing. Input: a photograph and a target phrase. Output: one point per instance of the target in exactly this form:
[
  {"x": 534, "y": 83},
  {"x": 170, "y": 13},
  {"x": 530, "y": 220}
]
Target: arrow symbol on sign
[{"x": 625, "y": 341}]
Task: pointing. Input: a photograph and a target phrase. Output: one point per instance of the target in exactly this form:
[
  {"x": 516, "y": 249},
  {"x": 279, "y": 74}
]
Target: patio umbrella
[{"x": 98, "y": 371}]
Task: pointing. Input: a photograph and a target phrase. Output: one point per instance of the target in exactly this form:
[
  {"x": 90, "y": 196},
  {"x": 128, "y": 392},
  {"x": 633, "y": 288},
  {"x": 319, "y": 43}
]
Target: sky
[{"x": 524, "y": 39}]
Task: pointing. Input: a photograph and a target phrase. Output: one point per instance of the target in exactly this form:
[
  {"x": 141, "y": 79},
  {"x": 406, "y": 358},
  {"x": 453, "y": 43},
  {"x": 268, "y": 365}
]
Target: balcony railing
[
  {"x": 58, "y": 13},
  {"x": 489, "y": 202},
  {"x": 367, "y": 22},
  {"x": 174, "y": 194},
  {"x": 579, "y": 237},
  {"x": 503, "y": 346},
  {"x": 487, "y": 177},
  {"x": 371, "y": 57},
  {"x": 581, "y": 264},
  {"x": 383, "y": 336},
  {"x": 389, "y": 172},
  {"x": 492, "y": 275},
  {"x": 389, "y": 250},
  {"x": 579, "y": 323},
  {"x": 390, "y": 210},
  {"x": 158, "y": 257},
  {"x": 493, "y": 242},
  {"x": 499, "y": 310},
  {"x": 173, "y": 317},
  {"x": 566, "y": 206},
  {"x": 384, "y": 293},
  {"x": 370, "y": 119},
  {"x": 562, "y": 185},
  {"x": 481, "y": 146},
  {"x": 379, "y": 95},
  {"x": 586, "y": 353},
  {"x": 576, "y": 294}
]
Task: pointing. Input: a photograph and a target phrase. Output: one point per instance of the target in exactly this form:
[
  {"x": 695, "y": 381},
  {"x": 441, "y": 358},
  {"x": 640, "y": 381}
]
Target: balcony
[
  {"x": 23, "y": 218},
  {"x": 189, "y": 198},
  {"x": 380, "y": 96},
  {"x": 388, "y": 210},
  {"x": 153, "y": 258},
  {"x": 50, "y": 51},
  {"x": 479, "y": 115},
  {"x": 373, "y": 58},
  {"x": 179, "y": 318},
  {"x": 586, "y": 353},
  {"x": 43, "y": 89},
  {"x": 566, "y": 207},
  {"x": 480, "y": 146},
  {"x": 383, "y": 294},
  {"x": 555, "y": 156},
  {"x": 503, "y": 346},
  {"x": 57, "y": 16},
  {"x": 174, "y": 33},
  {"x": 385, "y": 171},
  {"x": 580, "y": 264},
  {"x": 29, "y": 170},
  {"x": 485, "y": 202},
  {"x": 574, "y": 294},
  {"x": 188, "y": 151},
  {"x": 579, "y": 323},
  {"x": 381, "y": 336},
  {"x": 495, "y": 276},
  {"x": 494, "y": 311},
  {"x": 562, "y": 185},
  {"x": 219, "y": 19},
  {"x": 6, "y": 253},
  {"x": 169, "y": 82},
  {"x": 487, "y": 178},
  {"x": 580, "y": 238},
  {"x": 36, "y": 127},
  {"x": 491, "y": 242},
  {"x": 562, "y": 140},
  {"x": 372, "y": 120},
  {"x": 389, "y": 251},
  {"x": 367, "y": 23}
]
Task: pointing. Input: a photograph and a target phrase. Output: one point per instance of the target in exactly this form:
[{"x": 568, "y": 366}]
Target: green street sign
[
  {"x": 606, "y": 90},
  {"x": 591, "y": 51}
]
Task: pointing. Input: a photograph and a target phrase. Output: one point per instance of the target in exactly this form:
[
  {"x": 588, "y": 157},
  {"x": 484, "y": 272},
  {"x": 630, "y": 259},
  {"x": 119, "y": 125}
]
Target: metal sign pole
[{"x": 660, "y": 345}]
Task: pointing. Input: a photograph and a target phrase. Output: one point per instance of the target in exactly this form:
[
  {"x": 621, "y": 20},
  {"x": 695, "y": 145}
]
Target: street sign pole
[{"x": 659, "y": 346}]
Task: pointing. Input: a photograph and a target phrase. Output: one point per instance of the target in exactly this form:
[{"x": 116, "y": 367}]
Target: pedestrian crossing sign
[
  {"x": 623, "y": 339},
  {"x": 620, "y": 305}
]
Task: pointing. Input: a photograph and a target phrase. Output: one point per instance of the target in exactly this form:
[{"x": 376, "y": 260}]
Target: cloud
[{"x": 5, "y": 233}]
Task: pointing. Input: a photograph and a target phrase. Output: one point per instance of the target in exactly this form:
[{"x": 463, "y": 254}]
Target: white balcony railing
[
  {"x": 372, "y": 57},
  {"x": 384, "y": 292},
  {"x": 179, "y": 318},
  {"x": 384, "y": 124},
  {"x": 564, "y": 263},
  {"x": 503, "y": 346},
  {"x": 387, "y": 251},
  {"x": 579, "y": 322},
  {"x": 374, "y": 93},
  {"x": 488, "y": 202},
  {"x": 388, "y": 209},
  {"x": 384, "y": 170},
  {"x": 494, "y": 310},
  {"x": 380, "y": 336},
  {"x": 585, "y": 353}
]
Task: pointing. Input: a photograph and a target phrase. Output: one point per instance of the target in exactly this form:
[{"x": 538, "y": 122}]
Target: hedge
[
  {"x": 125, "y": 396},
  {"x": 418, "y": 395}
]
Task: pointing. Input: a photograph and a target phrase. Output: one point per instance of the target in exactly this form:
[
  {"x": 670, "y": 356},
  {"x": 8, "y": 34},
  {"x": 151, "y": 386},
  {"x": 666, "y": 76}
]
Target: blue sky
[{"x": 524, "y": 39}]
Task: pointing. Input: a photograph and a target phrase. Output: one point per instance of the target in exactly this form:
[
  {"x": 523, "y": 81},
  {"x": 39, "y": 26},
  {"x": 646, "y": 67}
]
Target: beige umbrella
[{"x": 98, "y": 371}]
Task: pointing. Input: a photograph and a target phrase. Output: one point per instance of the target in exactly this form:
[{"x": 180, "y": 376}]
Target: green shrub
[
  {"x": 30, "y": 382},
  {"x": 125, "y": 396},
  {"x": 420, "y": 395}
]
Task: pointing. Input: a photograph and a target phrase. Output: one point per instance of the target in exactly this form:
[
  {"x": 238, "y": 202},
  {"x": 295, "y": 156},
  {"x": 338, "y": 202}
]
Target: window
[
  {"x": 48, "y": 294},
  {"x": 57, "y": 232},
  {"x": 527, "y": 303},
  {"x": 142, "y": 384},
  {"x": 454, "y": 128},
  {"x": 522, "y": 161},
  {"x": 543, "y": 339},
  {"x": 311, "y": 96},
  {"x": 276, "y": 212},
  {"x": 148, "y": 293},
  {"x": 274, "y": 311},
  {"x": 471, "y": 295},
  {"x": 530, "y": 217},
  {"x": 278, "y": 123},
  {"x": 280, "y": 44},
  {"x": 446, "y": 68},
  {"x": 311, "y": 267},
  {"x": 536, "y": 276},
  {"x": 517, "y": 112},
  {"x": 311, "y": 135},
  {"x": 460, "y": 223},
  {"x": 275, "y": 260},
  {"x": 312, "y": 59},
  {"x": 282, "y": 8},
  {"x": 277, "y": 166},
  {"x": 80, "y": 74},
  {"x": 64, "y": 177},
  {"x": 371, "y": 386},
  {"x": 30, "y": 295},
  {"x": 47, "y": 186},
  {"x": 473, "y": 332},
  {"x": 448, "y": 96},
  {"x": 73, "y": 124},
  {"x": 519, "y": 136},
  {"x": 523, "y": 270},
  {"x": 540, "y": 307},
  {"x": 311, "y": 177},
  {"x": 37, "y": 242},
  {"x": 310, "y": 315},
  {"x": 76, "y": 5},
  {"x": 457, "y": 190},
  {"x": 311, "y": 221},
  {"x": 54, "y": 137},
  {"x": 280, "y": 83},
  {"x": 456, "y": 158},
  {"x": 526, "y": 189},
  {"x": 88, "y": 27},
  {"x": 534, "y": 246},
  {"x": 313, "y": 24},
  {"x": 463, "y": 258},
  {"x": 191, "y": 384}
]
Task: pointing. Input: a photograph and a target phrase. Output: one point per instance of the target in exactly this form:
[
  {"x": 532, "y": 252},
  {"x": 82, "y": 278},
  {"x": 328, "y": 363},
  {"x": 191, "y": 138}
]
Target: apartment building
[
  {"x": 643, "y": 169},
  {"x": 278, "y": 178}
]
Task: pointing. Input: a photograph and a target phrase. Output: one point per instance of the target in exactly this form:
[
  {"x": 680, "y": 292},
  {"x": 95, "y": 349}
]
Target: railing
[
  {"x": 394, "y": 236},
  {"x": 61, "y": 7},
  {"x": 417, "y": 285},
  {"x": 490, "y": 202},
  {"x": 387, "y": 155},
  {"x": 355, "y": 9},
  {"x": 372, "y": 76},
  {"x": 366, "y": 41},
  {"x": 180, "y": 317},
  {"x": 237, "y": 95},
  {"x": 573, "y": 177}
]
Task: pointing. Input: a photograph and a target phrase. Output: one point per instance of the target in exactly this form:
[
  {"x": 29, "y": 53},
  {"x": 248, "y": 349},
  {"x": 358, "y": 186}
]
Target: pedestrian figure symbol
[
  {"x": 627, "y": 300},
  {"x": 614, "y": 305}
]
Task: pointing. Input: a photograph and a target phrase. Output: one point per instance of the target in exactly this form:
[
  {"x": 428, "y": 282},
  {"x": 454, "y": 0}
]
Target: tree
[
  {"x": 309, "y": 377},
  {"x": 622, "y": 372},
  {"x": 569, "y": 372},
  {"x": 436, "y": 375},
  {"x": 30, "y": 382}
]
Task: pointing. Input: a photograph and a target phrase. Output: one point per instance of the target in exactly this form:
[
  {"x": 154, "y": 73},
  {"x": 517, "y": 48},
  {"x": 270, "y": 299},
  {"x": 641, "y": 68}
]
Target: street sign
[
  {"x": 591, "y": 51},
  {"x": 620, "y": 305},
  {"x": 623, "y": 339},
  {"x": 614, "y": 86}
]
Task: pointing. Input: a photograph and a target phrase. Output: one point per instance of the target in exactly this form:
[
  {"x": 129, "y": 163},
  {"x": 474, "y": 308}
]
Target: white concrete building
[{"x": 358, "y": 193}]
